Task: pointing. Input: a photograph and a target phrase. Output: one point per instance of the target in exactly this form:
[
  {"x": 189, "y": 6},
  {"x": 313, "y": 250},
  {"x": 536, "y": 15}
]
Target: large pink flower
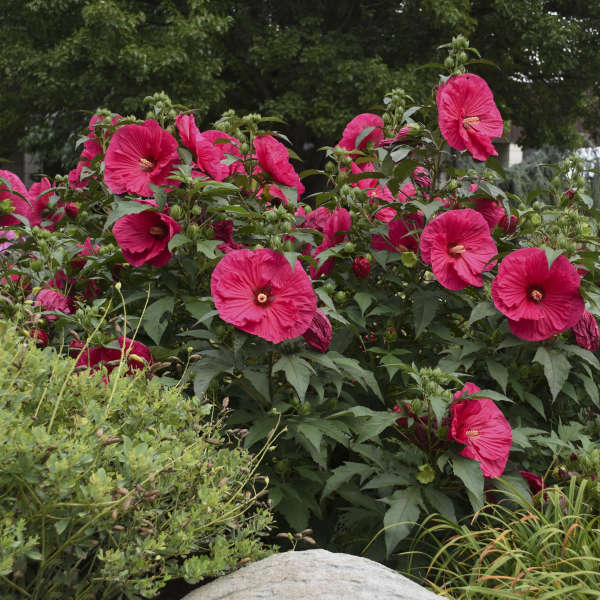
[
  {"x": 144, "y": 237},
  {"x": 335, "y": 229},
  {"x": 355, "y": 127},
  {"x": 539, "y": 302},
  {"x": 480, "y": 424},
  {"x": 273, "y": 158},
  {"x": 19, "y": 197},
  {"x": 46, "y": 206},
  {"x": 217, "y": 139},
  {"x": 54, "y": 300},
  {"x": 468, "y": 116},
  {"x": 458, "y": 246},
  {"x": 257, "y": 292},
  {"x": 138, "y": 155}
]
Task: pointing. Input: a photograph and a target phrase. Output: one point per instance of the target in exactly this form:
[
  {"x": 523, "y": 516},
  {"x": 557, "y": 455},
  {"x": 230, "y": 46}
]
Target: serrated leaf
[
  {"x": 259, "y": 381},
  {"x": 208, "y": 247},
  {"x": 179, "y": 239},
  {"x": 481, "y": 311},
  {"x": 401, "y": 517},
  {"x": 424, "y": 308},
  {"x": 588, "y": 356},
  {"x": 344, "y": 473},
  {"x": 122, "y": 208},
  {"x": 259, "y": 430},
  {"x": 556, "y": 368},
  {"x": 312, "y": 436},
  {"x": 499, "y": 372},
  {"x": 154, "y": 322},
  {"x": 469, "y": 472},
  {"x": 440, "y": 502},
  {"x": 205, "y": 369},
  {"x": 297, "y": 372}
]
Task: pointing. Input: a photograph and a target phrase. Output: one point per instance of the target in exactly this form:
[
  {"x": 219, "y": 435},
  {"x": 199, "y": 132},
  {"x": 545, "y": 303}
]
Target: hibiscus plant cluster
[{"x": 421, "y": 335}]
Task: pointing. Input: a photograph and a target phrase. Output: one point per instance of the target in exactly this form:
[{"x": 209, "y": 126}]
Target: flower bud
[
  {"x": 176, "y": 212},
  {"x": 196, "y": 210},
  {"x": 71, "y": 209},
  {"x": 36, "y": 264},
  {"x": 361, "y": 267},
  {"x": 535, "y": 219},
  {"x": 340, "y": 297},
  {"x": 319, "y": 333},
  {"x": 449, "y": 63},
  {"x": 349, "y": 248},
  {"x": 193, "y": 231},
  {"x": 408, "y": 259}
]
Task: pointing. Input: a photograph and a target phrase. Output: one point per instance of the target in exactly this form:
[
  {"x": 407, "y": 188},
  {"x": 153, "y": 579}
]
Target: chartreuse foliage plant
[
  {"x": 546, "y": 549},
  {"x": 111, "y": 490},
  {"x": 418, "y": 332}
]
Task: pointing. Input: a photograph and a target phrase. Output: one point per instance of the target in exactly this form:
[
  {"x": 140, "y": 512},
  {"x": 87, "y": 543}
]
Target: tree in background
[{"x": 315, "y": 63}]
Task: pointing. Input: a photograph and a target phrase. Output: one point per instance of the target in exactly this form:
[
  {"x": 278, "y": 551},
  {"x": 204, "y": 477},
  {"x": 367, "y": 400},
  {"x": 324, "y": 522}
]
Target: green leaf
[
  {"x": 344, "y": 473},
  {"x": 292, "y": 257},
  {"x": 362, "y": 135},
  {"x": 259, "y": 430},
  {"x": 440, "y": 502},
  {"x": 428, "y": 209},
  {"x": 208, "y": 367},
  {"x": 208, "y": 247},
  {"x": 551, "y": 255},
  {"x": 178, "y": 240},
  {"x": 370, "y": 428},
  {"x": 425, "y": 305},
  {"x": 154, "y": 321},
  {"x": 480, "y": 311},
  {"x": 469, "y": 472},
  {"x": 297, "y": 372},
  {"x": 590, "y": 387},
  {"x": 259, "y": 381},
  {"x": 588, "y": 356},
  {"x": 492, "y": 395},
  {"x": 499, "y": 372},
  {"x": 363, "y": 300},
  {"x": 122, "y": 208},
  {"x": 312, "y": 436},
  {"x": 386, "y": 480},
  {"x": 401, "y": 517},
  {"x": 556, "y": 368}
]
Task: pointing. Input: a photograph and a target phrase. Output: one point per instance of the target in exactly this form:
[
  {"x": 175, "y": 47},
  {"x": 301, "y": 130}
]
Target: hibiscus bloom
[
  {"x": 535, "y": 482},
  {"x": 480, "y": 424},
  {"x": 539, "y": 302},
  {"x": 226, "y": 149},
  {"x": 257, "y": 292},
  {"x": 19, "y": 197},
  {"x": 135, "y": 353},
  {"x": 458, "y": 246},
  {"x": 334, "y": 232},
  {"x": 144, "y": 237},
  {"x": 361, "y": 267},
  {"x": 45, "y": 205},
  {"x": 468, "y": 116},
  {"x": 274, "y": 159},
  {"x": 138, "y": 155},
  {"x": 356, "y": 126},
  {"x": 586, "y": 332},
  {"x": 402, "y": 235},
  {"x": 54, "y": 300}
]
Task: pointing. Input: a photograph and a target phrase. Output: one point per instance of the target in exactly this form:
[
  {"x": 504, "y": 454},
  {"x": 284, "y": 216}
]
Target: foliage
[
  {"x": 111, "y": 490},
  {"x": 346, "y": 465},
  {"x": 316, "y": 64},
  {"x": 548, "y": 549}
]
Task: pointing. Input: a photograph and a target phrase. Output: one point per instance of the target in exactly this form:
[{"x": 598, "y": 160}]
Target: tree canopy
[{"x": 315, "y": 63}]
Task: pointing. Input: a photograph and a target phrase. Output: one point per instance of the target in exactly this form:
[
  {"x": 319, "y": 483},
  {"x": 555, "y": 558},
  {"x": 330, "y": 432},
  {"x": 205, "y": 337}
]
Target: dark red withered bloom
[
  {"x": 535, "y": 482},
  {"x": 136, "y": 355},
  {"x": 356, "y": 126},
  {"x": 53, "y": 300},
  {"x": 468, "y": 116},
  {"x": 538, "y": 301},
  {"x": 223, "y": 230},
  {"x": 318, "y": 335},
  {"x": 139, "y": 155},
  {"x": 144, "y": 237},
  {"x": 586, "y": 332},
  {"x": 458, "y": 246},
  {"x": 274, "y": 159},
  {"x": 361, "y": 267},
  {"x": 258, "y": 292},
  {"x": 40, "y": 337},
  {"x": 480, "y": 424}
]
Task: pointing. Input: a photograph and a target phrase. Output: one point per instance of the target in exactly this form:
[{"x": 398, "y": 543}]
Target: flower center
[
  {"x": 158, "y": 231},
  {"x": 536, "y": 295},
  {"x": 146, "y": 165},
  {"x": 455, "y": 250},
  {"x": 263, "y": 297},
  {"x": 472, "y": 434},
  {"x": 470, "y": 122}
]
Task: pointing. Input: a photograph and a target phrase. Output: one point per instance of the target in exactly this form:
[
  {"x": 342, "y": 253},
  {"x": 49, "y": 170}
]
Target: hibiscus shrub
[
  {"x": 112, "y": 491},
  {"x": 420, "y": 333}
]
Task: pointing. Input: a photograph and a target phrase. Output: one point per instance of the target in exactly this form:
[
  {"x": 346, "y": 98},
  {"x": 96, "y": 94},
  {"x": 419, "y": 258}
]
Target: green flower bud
[
  {"x": 340, "y": 297},
  {"x": 349, "y": 248},
  {"x": 36, "y": 264},
  {"x": 449, "y": 63},
  {"x": 535, "y": 219},
  {"x": 196, "y": 210},
  {"x": 193, "y": 231},
  {"x": 462, "y": 57},
  {"x": 408, "y": 259},
  {"x": 176, "y": 212}
]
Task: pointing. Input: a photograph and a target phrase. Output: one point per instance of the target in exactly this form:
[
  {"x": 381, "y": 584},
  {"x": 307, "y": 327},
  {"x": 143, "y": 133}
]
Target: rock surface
[{"x": 313, "y": 575}]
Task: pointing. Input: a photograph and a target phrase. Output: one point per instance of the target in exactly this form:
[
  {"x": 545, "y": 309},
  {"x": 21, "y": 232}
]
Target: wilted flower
[
  {"x": 361, "y": 267},
  {"x": 586, "y": 332},
  {"x": 318, "y": 334},
  {"x": 136, "y": 354}
]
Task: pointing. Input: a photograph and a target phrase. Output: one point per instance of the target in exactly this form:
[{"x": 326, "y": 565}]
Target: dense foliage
[
  {"x": 113, "y": 490},
  {"x": 316, "y": 64},
  {"x": 420, "y": 334}
]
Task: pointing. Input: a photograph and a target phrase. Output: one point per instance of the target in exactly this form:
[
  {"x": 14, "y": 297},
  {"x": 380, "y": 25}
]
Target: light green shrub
[{"x": 109, "y": 491}]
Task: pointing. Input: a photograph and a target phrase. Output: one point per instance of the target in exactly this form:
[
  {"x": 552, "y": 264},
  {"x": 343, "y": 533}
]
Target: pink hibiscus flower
[
  {"x": 535, "y": 482},
  {"x": 405, "y": 134},
  {"x": 46, "y": 207},
  {"x": 402, "y": 235},
  {"x": 334, "y": 232},
  {"x": 19, "y": 197},
  {"x": 539, "y": 302},
  {"x": 586, "y": 332},
  {"x": 458, "y": 246},
  {"x": 274, "y": 159},
  {"x": 136, "y": 354},
  {"x": 318, "y": 335},
  {"x": 217, "y": 139},
  {"x": 144, "y": 237},
  {"x": 356, "y": 126},
  {"x": 257, "y": 292},
  {"x": 468, "y": 116},
  {"x": 480, "y": 424},
  {"x": 138, "y": 155},
  {"x": 54, "y": 300}
]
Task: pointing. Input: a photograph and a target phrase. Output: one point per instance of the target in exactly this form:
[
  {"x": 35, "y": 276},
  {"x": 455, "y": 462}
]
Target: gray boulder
[{"x": 313, "y": 575}]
